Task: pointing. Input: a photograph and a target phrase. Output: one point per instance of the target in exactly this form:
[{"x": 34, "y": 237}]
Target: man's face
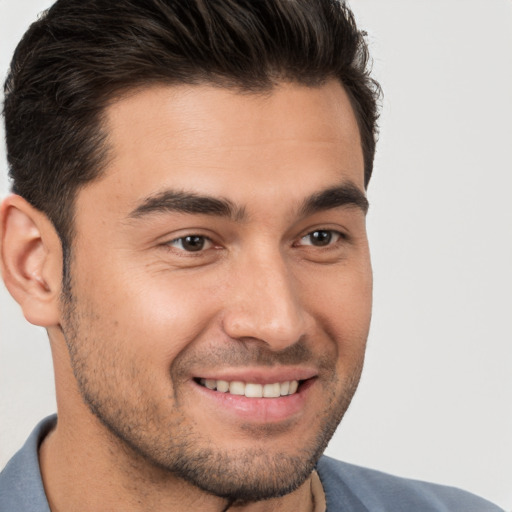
[{"x": 225, "y": 247}]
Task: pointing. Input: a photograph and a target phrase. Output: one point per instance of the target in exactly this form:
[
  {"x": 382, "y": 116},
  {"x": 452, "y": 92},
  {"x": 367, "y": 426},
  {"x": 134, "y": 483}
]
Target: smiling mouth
[{"x": 250, "y": 389}]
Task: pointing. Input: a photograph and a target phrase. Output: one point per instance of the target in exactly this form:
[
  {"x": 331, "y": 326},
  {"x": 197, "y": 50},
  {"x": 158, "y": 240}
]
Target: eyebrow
[
  {"x": 187, "y": 202},
  {"x": 345, "y": 195}
]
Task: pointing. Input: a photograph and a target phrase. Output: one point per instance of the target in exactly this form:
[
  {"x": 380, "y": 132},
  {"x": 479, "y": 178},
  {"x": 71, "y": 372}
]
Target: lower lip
[{"x": 259, "y": 410}]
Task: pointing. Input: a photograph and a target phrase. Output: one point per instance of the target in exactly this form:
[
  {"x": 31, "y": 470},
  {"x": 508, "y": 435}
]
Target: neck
[{"x": 89, "y": 472}]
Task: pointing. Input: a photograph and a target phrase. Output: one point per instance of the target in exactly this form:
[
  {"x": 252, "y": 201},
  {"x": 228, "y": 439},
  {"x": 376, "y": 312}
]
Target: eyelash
[
  {"x": 332, "y": 233},
  {"x": 204, "y": 240},
  {"x": 181, "y": 239}
]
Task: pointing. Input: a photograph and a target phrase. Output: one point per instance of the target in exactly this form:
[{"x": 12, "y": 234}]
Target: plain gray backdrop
[{"x": 435, "y": 401}]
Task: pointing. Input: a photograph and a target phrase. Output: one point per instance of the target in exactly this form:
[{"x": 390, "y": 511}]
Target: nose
[{"x": 265, "y": 303}]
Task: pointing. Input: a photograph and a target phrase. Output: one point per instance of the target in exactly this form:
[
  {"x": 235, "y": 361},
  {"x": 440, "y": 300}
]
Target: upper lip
[{"x": 260, "y": 375}]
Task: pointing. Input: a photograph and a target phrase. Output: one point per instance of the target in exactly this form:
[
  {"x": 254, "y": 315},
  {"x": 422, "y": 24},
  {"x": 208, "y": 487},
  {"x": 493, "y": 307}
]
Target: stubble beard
[{"x": 172, "y": 446}]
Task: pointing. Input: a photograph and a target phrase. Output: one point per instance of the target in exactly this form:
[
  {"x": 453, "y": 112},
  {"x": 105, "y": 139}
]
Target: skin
[{"x": 145, "y": 318}]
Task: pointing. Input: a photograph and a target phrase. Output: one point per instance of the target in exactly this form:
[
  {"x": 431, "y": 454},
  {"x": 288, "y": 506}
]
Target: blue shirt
[{"x": 347, "y": 488}]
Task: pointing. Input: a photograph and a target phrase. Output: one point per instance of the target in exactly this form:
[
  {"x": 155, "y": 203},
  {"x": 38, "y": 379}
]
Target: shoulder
[
  {"x": 21, "y": 485},
  {"x": 354, "y": 488}
]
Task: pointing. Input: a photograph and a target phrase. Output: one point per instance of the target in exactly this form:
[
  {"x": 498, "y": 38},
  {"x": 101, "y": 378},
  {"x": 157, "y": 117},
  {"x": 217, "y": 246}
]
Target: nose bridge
[{"x": 264, "y": 303}]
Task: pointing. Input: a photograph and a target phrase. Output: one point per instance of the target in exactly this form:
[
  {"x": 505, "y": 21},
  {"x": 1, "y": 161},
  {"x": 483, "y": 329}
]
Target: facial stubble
[{"x": 160, "y": 443}]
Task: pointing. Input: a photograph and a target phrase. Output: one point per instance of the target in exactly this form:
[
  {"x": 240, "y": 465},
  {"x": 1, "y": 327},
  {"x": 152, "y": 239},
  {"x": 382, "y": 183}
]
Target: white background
[{"x": 435, "y": 401}]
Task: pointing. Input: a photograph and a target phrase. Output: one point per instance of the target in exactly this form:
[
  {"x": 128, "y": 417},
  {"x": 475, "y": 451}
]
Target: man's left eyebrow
[{"x": 345, "y": 195}]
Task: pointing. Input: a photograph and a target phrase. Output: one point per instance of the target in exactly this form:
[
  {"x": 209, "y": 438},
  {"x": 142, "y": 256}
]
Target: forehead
[
  {"x": 219, "y": 141},
  {"x": 217, "y": 110}
]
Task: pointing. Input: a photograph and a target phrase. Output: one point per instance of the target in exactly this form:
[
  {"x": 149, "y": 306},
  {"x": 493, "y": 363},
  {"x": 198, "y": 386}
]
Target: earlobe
[{"x": 31, "y": 260}]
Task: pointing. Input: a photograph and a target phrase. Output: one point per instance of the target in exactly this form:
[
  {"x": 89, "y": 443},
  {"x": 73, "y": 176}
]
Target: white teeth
[
  {"x": 223, "y": 386},
  {"x": 210, "y": 383},
  {"x": 237, "y": 388},
  {"x": 272, "y": 390},
  {"x": 252, "y": 390}
]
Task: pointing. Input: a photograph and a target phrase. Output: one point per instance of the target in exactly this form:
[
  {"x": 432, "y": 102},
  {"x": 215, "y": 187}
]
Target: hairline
[{"x": 128, "y": 90}]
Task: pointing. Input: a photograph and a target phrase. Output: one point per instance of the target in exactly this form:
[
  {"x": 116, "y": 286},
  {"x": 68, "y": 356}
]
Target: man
[{"x": 188, "y": 224}]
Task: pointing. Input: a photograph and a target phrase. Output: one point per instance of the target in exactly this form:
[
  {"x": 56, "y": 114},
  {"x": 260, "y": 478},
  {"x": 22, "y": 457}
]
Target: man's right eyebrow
[{"x": 186, "y": 202}]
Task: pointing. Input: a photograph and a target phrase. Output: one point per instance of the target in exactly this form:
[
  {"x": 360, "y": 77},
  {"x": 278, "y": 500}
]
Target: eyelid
[
  {"x": 208, "y": 243},
  {"x": 338, "y": 235}
]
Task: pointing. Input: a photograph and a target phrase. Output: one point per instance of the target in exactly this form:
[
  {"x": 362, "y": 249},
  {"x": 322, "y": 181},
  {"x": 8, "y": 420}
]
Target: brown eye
[
  {"x": 191, "y": 243},
  {"x": 321, "y": 238}
]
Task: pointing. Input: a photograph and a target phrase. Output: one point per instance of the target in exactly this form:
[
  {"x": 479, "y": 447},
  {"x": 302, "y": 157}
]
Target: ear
[{"x": 31, "y": 260}]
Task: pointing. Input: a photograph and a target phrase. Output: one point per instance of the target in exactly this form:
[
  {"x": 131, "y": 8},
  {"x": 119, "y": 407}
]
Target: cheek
[
  {"x": 341, "y": 303},
  {"x": 150, "y": 319},
  {"x": 344, "y": 294}
]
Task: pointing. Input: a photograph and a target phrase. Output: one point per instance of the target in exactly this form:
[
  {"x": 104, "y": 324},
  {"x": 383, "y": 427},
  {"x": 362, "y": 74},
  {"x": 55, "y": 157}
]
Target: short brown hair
[{"x": 81, "y": 54}]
